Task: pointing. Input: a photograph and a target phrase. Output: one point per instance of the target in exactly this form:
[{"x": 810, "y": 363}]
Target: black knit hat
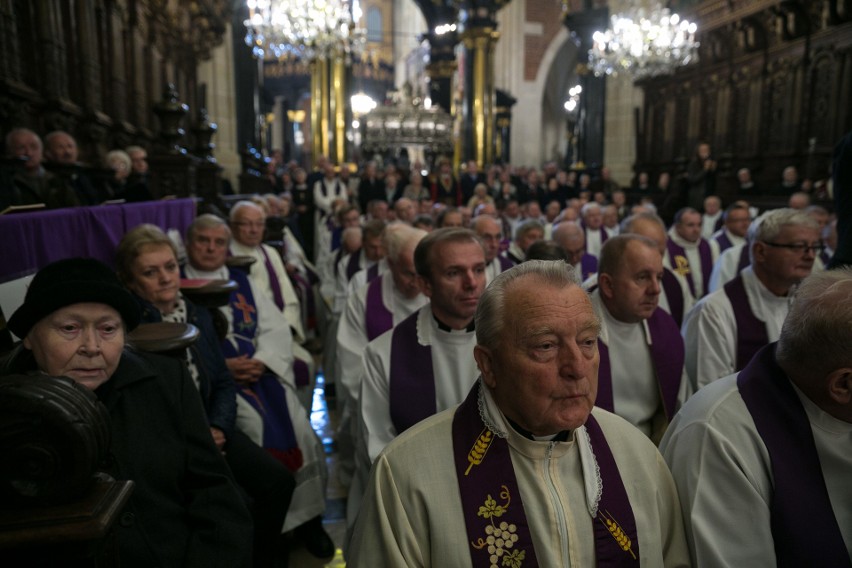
[{"x": 73, "y": 281}]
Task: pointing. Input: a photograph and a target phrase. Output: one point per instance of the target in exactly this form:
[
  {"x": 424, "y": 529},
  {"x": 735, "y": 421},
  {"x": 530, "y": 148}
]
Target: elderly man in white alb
[
  {"x": 762, "y": 459},
  {"x": 372, "y": 309},
  {"x": 591, "y": 216},
  {"x": 269, "y": 276},
  {"x": 689, "y": 254},
  {"x": 258, "y": 341},
  {"x": 724, "y": 330},
  {"x": 523, "y": 472},
  {"x": 641, "y": 376},
  {"x": 423, "y": 365},
  {"x": 735, "y": 222},
  {"x": 571, "y": 238},
  {"x": 487, "y": 228}
]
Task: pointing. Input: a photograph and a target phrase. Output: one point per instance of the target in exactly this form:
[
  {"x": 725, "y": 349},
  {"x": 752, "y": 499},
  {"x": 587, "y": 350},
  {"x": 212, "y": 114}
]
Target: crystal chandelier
[
  {"x": 643, "y": 42},
  {"x": 302, "y": 28}
]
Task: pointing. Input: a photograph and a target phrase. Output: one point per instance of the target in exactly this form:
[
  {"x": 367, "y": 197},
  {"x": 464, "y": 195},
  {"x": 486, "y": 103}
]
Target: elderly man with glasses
[{"x": 725, "y": 329}]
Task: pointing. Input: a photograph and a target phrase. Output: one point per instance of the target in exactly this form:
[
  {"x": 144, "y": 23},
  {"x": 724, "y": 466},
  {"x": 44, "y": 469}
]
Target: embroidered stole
[
  {"x": 667, "y": 354},
  {"x": 267, "y": 396},
  {"x": 274, "y": 284},
  {"x": 412, "y": 382},
  {"x": 674, "y": 295},
  {"x": 804, "y": 528},
  {"x": 496, "y": 523},
  {"x": 681, "y": 264},
  {"x": 751, "y": 332},
  {"x": 377, "y": 318}
]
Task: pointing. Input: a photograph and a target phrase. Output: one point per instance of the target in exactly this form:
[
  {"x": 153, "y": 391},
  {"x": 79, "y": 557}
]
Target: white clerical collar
[
  {"x": 497, "y": 422},
  {"x": 681, "y": 241},
  {"x": 219, "y": 274}
]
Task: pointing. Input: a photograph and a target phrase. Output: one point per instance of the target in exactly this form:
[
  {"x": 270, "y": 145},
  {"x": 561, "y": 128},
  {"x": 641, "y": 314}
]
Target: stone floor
[{"x": 325, "y": 421}]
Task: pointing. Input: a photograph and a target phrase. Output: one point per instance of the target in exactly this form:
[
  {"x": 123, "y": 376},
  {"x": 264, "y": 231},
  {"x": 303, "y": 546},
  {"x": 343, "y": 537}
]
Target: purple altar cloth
[{"x": 29, "y": 241}]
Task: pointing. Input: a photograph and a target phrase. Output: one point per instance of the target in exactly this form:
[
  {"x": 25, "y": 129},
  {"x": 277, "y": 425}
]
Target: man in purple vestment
[
  {"x": 572, "y": 239},
  {"x": 688, "y": 254},
  {"x": 524, "y": 472},
  {"x": 762, "y": 459},
  {"x": 641, "y": 376},
  {"x": 487, "y": 228}
]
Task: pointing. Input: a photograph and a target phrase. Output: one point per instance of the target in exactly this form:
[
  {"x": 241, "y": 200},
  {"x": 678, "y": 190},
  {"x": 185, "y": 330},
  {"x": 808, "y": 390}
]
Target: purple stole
[
  {"x": 588, "y": 265},
  {"x": 266, "y": 396},
  {"x": 493, "y": 504},
  {"x": 274, "y": 284},
  {"x": 751, "y": 332},
  {"x": 724, "y": 242},
  {"x": 745, "y": 258},
  {"x": 719, "y": 222},
  {"x": 676, "y": 253},
  {"x": 674, "y": 294},
  {"x": 667, "y": 354},
  {"x": 372, "y": 272},
  {"x": 505, "y": 263},
  {"x": 804, "y": 529},
  {"x": 377, "y": 318},
  {"x": 412, "y": 383},
  {"x": 354, "y": 264},
  {"x": 512, "y": 259}
]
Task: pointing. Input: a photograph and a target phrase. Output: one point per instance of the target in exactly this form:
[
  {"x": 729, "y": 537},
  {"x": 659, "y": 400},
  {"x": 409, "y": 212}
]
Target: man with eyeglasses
[
  {"x": 725, "y": 329},
  {"x": 488, "y": 230},
  {"x": 268, "y": 274}
]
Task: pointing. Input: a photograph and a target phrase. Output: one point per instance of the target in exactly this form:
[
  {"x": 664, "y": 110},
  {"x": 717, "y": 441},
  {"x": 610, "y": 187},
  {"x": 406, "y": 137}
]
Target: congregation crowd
[{"x": 533, "y": 366}]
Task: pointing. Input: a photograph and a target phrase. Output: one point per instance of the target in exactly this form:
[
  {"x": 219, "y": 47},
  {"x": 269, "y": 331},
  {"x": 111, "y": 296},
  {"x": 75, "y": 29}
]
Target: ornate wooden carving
[
  {"x": 96, "y": 67},
  {"x": 771, "y": 89}
]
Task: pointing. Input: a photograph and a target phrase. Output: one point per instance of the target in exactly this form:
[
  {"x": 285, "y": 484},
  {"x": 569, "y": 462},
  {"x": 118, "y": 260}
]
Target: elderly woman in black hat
[{"x": 185, "y": 509}]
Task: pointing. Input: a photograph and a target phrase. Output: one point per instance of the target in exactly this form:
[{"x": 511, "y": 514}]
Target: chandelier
[
  {"x": 643, "y": 42},
  {"x": 302, "y": 28}
]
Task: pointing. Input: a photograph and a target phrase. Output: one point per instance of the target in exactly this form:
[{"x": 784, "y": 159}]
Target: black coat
[{"x": 185, "y": 509}]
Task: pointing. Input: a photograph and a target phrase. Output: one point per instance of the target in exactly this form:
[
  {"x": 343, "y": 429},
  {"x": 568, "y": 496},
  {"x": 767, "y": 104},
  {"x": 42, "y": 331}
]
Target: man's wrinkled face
[
  {"x": 489, "y": 231},
  {"x": 526, "y": 240},
  {"x": 248, "y": 226},
  {"x": 593, "y": 218},
  {"x": 783, "y": 265},
  {"x": 139, "y": 162},
  {"x": 63, "y": 149},
  {"x": 26, "y": 145},
  {"x": 543, "y": 373},
  {"x": 737, "y": 222},
  {"x": 82, "y": 342},
  {"x": 208, "y": 248}
]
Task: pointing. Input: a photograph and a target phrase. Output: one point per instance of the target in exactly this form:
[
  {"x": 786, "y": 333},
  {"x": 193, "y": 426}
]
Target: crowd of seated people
[
  {"x": 49, "y": 172},
  {"x": 374, "y": 275}
]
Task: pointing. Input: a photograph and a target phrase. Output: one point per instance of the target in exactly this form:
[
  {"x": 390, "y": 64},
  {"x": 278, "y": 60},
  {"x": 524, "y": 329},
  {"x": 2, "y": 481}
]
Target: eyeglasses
[
  {"x": 800, "y": 248},
  {"x": 254, "y": 224}
]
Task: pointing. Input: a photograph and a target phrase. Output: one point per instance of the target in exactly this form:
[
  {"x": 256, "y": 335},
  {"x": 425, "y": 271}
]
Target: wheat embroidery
[
  {"x": 477, "y": 452},
  {"x": 617, "y": 532}
]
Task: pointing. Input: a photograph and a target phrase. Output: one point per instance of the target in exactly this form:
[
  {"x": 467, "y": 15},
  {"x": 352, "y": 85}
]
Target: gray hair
[
  {"x": 816, "y": 334},
  {"x": 244, "y": 204},
  {"x": 628, "y": 222},
  {"x": 491, "y": 310},
  {"x": 119, "y": 155},
  {"x": 204, "y": 222},
  {"x": 768, "y": 226},
  {"x": 588, "y": 207},
  {"x": 399, "y": 237},
  {"x": 527, "y": 226},
  {"x": 12, "y": 134}
]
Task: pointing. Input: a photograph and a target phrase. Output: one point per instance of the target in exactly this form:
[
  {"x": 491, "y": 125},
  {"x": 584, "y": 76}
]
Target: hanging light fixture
[
  {"x": 302, "y": 28},
  {"x": 645, "y": 41}
]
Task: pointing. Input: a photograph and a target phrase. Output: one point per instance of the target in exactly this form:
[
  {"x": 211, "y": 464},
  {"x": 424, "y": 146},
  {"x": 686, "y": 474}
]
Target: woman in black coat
[{"x": 185, "y": 509}]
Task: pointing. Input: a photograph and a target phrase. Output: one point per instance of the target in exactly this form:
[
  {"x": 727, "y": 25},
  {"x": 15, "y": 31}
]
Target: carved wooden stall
[
  {"x": 97, "y": 68},
  {"x": 772, "y": 88}
]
